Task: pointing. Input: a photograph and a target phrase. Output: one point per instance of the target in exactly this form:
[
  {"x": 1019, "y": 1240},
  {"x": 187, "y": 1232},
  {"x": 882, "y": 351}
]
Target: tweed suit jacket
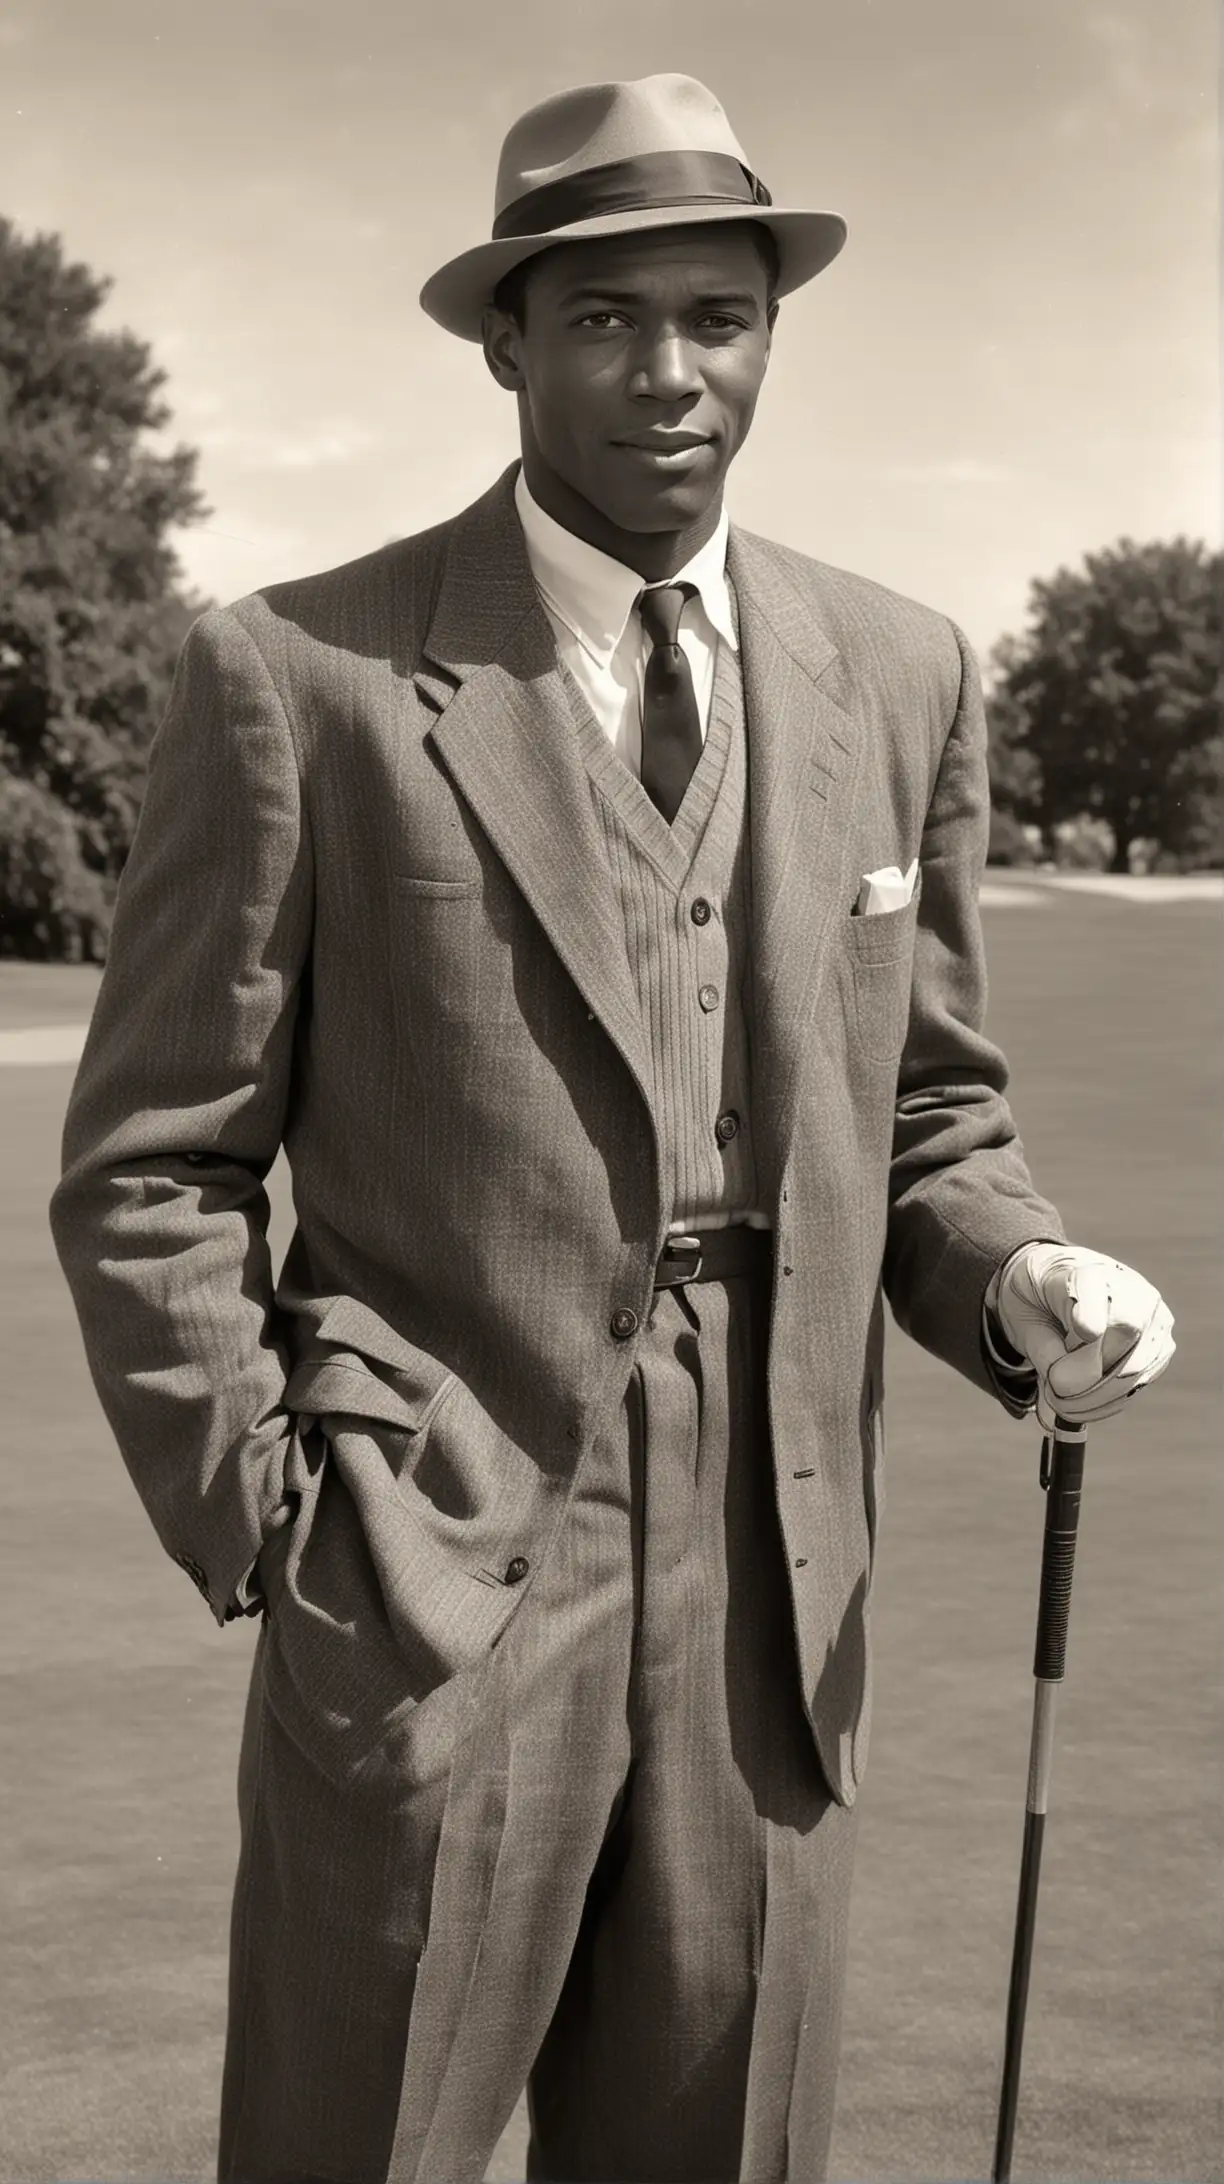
[{"x": 366, "y": 915}]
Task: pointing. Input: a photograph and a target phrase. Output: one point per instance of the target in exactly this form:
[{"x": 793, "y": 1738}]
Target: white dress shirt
[{"x": 591, "y": 601}]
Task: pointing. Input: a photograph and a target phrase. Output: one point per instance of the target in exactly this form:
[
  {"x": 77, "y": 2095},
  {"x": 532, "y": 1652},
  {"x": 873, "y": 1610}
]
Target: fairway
[{"x": 122, "y": 1700}]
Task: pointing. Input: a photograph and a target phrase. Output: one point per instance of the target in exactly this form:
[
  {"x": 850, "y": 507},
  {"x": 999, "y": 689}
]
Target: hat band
[{"x": 644, "y": 184}]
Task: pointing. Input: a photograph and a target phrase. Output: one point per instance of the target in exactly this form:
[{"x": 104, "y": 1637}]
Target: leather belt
[{"x": 713, "y": 1255}]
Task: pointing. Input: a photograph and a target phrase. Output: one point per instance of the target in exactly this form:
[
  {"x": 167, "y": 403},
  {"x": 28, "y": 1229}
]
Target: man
[{"x": 585, "y": 895}]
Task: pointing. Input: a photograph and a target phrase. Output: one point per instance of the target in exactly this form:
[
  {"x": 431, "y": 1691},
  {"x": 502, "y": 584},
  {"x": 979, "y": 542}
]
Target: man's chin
[{"x": 673, "y": 507}]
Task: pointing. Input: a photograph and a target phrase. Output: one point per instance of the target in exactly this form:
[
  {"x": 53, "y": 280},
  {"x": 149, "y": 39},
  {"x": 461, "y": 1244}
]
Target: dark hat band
[{"x": 645, "y": 184}]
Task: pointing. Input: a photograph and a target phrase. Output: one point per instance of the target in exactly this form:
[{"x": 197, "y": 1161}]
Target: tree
[
  {"x": 91, "y": 614},
  {"x": 1015, "y": 777},
  {"x": 1111, "y": 696}
]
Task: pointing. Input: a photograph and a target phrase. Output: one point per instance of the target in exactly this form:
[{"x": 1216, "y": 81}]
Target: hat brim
[{"x": 460, "y": 292}]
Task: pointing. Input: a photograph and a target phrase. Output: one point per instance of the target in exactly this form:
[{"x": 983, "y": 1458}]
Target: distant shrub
[
  {"x": 1084, "y": 844},
  {"x": 52, "y": 907},
  {"x": 1010, "y": 842}
]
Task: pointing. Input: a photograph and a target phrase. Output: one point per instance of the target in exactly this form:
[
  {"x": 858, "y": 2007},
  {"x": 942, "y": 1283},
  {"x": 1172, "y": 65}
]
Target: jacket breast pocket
[
  {"x": 442, "y": 887},
  {"x": 879, "y": 954},
  {"x": 462, "y": 944}
]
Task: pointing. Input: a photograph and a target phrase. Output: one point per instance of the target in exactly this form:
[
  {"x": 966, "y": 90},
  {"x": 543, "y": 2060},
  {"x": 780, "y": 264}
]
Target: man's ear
[
  {"x": 501, "y": 338},
  {"x": 771, "y": 314}
]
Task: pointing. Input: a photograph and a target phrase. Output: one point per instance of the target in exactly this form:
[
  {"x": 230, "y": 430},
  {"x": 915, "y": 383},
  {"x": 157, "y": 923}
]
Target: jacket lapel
[
  {"x": 803, "y": 747},
  {"x": 506, "y": 735}
]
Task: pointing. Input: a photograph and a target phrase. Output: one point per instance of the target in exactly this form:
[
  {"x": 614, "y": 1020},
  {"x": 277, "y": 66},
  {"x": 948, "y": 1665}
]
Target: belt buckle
[{"x": 674, "y": 1246}]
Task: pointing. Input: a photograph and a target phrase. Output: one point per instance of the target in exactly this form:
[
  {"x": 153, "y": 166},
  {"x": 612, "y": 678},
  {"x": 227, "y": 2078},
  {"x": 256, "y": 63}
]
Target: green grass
[{"x": 121, "y": 1701}]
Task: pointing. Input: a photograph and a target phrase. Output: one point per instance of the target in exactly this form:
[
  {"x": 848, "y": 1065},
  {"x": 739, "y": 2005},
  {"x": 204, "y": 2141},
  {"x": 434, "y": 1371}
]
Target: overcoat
[{"x": 366, "y": 914}]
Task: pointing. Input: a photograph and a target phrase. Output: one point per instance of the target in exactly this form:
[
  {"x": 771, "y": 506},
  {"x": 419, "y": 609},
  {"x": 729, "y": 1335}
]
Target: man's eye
[
  {"x": 601, "y": 319},
  {"x": 721, "y": 321}
]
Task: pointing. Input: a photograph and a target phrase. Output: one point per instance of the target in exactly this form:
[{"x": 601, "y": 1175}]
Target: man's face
[{"x": 638, "y": 367}]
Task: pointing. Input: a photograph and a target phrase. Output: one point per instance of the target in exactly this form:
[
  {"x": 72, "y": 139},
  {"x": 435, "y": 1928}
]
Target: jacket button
[
  {"x": 623, "y": 1323},
  {"x": 517, "y": 1570},
  {"x": 727, "y": 1126},
  {"x": 700, "y": 911}
]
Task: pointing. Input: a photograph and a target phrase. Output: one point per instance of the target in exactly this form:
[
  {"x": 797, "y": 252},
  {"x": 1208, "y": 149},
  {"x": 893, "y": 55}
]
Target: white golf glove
[{"x": 1094, "y": 1331}]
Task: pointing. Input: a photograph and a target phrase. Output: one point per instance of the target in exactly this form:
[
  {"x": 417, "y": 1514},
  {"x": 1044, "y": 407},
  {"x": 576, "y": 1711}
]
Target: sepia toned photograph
[{"x": 611, "y": 1040}]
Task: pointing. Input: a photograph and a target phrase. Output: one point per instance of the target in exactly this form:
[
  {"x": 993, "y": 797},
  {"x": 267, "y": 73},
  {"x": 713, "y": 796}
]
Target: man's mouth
[{"x": 666, "y": 450}]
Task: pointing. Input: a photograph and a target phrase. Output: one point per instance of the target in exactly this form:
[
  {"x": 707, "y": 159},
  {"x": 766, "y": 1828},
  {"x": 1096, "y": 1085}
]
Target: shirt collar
[{"x": 594, "y": 595}]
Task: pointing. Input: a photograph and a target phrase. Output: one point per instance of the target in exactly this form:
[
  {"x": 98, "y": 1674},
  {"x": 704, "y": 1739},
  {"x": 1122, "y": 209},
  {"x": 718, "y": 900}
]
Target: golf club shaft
[{"x": 1062, "y": 1474}]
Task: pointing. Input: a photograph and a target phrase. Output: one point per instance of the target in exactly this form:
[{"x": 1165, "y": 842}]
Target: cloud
[
  {"x": 1122, "y": 77},
  {"x": 313, "y": 449},
  {"x": 1122, "y": 46},
  {"x": 955, "y": 470},
  {"x": 336, "y": 444}
]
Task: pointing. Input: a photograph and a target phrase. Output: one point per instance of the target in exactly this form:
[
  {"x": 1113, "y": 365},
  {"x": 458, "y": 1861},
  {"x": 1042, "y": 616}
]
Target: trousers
[{"x": 604, "y": 1864}]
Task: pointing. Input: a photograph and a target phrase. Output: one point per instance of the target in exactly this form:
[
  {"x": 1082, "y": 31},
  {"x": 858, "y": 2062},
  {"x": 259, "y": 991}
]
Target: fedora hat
[{"x": 615, "y": 159}]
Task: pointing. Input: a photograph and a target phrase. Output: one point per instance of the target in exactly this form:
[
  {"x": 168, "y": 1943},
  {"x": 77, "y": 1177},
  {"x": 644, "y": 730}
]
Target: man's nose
[{"x": 668, "y": 369}]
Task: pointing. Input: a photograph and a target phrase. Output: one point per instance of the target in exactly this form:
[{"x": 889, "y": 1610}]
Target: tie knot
[{"x": 661, "y": 608}]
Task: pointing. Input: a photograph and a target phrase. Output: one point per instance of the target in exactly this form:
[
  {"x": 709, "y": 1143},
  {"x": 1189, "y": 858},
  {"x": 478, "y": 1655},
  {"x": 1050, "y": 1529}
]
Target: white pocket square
[{"x": 887, "y": 889}]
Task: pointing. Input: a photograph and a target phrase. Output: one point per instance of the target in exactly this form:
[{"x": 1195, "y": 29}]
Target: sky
[{"x": 1013, "y": 362}]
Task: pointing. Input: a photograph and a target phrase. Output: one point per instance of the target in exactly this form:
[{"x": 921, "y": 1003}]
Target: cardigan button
[{"x": 623, "y": 1323}]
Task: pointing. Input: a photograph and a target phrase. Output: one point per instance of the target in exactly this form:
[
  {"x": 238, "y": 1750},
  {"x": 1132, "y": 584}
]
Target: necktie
[{"x": 671, "y": 727}]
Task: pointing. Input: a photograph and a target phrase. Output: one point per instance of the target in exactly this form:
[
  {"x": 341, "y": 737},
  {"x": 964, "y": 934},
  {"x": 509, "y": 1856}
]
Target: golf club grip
[{"x": 1058, "y": 1553}]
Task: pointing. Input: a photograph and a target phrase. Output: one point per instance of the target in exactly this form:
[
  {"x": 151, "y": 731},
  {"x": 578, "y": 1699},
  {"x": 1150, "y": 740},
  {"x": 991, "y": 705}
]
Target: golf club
[{"x": 1062, "y": 1474}]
